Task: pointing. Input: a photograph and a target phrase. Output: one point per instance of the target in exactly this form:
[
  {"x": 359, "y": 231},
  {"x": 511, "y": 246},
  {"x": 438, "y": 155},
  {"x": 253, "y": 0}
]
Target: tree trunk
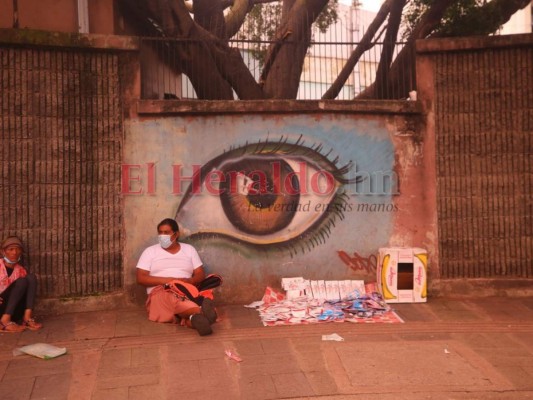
[
  {"x": 209, "y": 14},
  {"x": 211, "y": 65},
  {"x": 284, "y": 63}
]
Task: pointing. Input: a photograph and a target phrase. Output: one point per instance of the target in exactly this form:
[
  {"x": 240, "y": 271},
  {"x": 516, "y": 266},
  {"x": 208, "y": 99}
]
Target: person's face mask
[
  {"x": 12, "y": 254},
  {"x": 165, "y": 241},
  {"x": 11, "y": 261}
]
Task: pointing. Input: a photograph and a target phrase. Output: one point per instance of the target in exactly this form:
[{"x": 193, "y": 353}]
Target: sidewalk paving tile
[
  {"x": 258, "y": 386},
  {"x": 446, "y": 349},
  {"x": 54, "y": 386},
  {"x": 121, "y": 393},
  {"x": 292, "y": 385},
  {"x": 16, "y": 388},
  {"x": 25, "y": 366},
  {"x": 321, "y": 382}
]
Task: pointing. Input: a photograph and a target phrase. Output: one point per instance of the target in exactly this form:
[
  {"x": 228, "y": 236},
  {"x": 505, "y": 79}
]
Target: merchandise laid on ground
[{"x": 311, "y": 302}]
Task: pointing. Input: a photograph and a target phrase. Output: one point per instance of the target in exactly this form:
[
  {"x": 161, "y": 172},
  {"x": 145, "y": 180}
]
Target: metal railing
[
  {"x": 162, "y": 78},
  {"x": 172, "y": 68}
]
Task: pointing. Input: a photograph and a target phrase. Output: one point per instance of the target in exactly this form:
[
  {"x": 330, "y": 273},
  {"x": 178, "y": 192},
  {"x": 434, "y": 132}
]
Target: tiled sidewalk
[{"x": 468, "y": 349}]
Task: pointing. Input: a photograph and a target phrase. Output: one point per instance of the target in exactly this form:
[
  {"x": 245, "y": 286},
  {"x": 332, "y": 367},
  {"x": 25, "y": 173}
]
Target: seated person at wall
[
  {"x": 167, "y": 261},
  {"x": 18, "y": 288}
]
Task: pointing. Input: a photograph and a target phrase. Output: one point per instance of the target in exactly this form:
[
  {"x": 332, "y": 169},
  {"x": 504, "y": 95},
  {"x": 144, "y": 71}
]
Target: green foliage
[
  {"x": 263, "y": 20},
  {"x": 260, "y": 28},
  {"x": 327, "y": 17},
  {"x": 462, "y": 18}
]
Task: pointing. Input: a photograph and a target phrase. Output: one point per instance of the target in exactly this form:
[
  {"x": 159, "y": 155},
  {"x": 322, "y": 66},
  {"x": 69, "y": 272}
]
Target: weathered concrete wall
[
  {"x": 334, "y": 236},
  {"x": 477, "y": 94},
  {"x": 57, "y": 15}
]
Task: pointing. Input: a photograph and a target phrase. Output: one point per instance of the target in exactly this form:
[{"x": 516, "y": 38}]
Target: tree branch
[
  {"x": 395, "y": 18},
  {"x": 236, "y": 16},
  {"x": 493, "y": 15},
  {"x": 364, "y": 45},
  {"x": 402, "y": 70}
]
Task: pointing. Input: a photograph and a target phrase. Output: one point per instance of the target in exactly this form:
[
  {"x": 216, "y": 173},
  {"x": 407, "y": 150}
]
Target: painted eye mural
[{"x": 269, "y": 194}]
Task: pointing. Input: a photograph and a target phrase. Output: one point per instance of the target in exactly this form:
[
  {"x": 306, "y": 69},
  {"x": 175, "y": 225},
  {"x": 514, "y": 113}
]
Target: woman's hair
[{"x": 170, "y": 222}]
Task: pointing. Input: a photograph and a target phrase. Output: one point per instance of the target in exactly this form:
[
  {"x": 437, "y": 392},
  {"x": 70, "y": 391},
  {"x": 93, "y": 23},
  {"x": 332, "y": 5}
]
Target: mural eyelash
[
  {"x": 316, "y": 235},
  {"x": 298, "y": 148}
]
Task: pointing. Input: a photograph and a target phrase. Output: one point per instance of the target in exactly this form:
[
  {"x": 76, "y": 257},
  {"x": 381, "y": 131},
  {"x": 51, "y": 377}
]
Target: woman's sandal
[
  {"x": 11, "y": 327},
  {"x": 32, "y": 325}
]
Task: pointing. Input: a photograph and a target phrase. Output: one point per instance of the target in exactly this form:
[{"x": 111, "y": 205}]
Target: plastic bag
[{"x": 41, "y": 350}]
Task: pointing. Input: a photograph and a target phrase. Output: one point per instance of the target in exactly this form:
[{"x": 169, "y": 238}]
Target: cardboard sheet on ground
[{"x": 277, "y": 310}]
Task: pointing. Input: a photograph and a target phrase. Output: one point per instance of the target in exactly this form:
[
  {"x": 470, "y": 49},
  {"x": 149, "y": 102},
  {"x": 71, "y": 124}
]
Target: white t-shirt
[{"x": 160, "y": 262}]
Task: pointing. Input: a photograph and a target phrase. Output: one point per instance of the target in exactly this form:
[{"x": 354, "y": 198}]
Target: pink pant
[{"x": 162, "y": 305}]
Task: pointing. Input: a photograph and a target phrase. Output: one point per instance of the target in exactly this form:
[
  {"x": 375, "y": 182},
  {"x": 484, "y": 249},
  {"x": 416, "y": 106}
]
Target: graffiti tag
[{"x": 359, "y": 263}]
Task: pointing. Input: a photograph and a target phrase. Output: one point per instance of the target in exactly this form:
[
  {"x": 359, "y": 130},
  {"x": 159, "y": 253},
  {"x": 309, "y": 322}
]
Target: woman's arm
[
  {"x": 144, "y": 278},
  {"x": 198, "y": 275}
]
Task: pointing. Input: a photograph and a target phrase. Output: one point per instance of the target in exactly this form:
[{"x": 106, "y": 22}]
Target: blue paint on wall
[{"x": 363, "y": 224}]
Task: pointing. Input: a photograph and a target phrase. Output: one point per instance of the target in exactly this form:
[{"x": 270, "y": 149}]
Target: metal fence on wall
[
  {"x": 60, "y": 155},
  {"x": 167, "y": 64}
]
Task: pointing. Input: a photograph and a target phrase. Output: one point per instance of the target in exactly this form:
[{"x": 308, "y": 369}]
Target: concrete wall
[
  {"x": 57, "y": 15},
  {"x": 317, "y": 236}
]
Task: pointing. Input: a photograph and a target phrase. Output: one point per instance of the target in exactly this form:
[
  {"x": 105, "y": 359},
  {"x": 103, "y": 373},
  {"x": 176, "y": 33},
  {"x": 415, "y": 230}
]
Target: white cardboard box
[{"x": 402, "y": 274}]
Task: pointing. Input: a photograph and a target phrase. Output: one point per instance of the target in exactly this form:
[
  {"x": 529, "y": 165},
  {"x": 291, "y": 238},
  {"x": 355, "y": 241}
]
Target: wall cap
[
  {"x": 157, "y": 107},
  {"x": 473, "y": 43},
  {"x": 33, "y": 37}
]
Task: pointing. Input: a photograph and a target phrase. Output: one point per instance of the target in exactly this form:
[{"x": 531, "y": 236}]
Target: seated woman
[{"x": 17, "y": 290}]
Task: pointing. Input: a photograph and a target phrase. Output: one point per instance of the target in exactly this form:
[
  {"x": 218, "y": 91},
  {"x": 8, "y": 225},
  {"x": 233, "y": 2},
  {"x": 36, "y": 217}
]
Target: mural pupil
[
  {"x": 262, "y": 194},
  {"x": 266, "y": 198}
]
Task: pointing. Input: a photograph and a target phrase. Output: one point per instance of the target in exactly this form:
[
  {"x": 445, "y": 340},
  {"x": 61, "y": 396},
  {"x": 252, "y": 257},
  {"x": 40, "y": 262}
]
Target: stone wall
[
  {"x": 478, "y": 94},
  {"x": 61, "y": 129}
]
